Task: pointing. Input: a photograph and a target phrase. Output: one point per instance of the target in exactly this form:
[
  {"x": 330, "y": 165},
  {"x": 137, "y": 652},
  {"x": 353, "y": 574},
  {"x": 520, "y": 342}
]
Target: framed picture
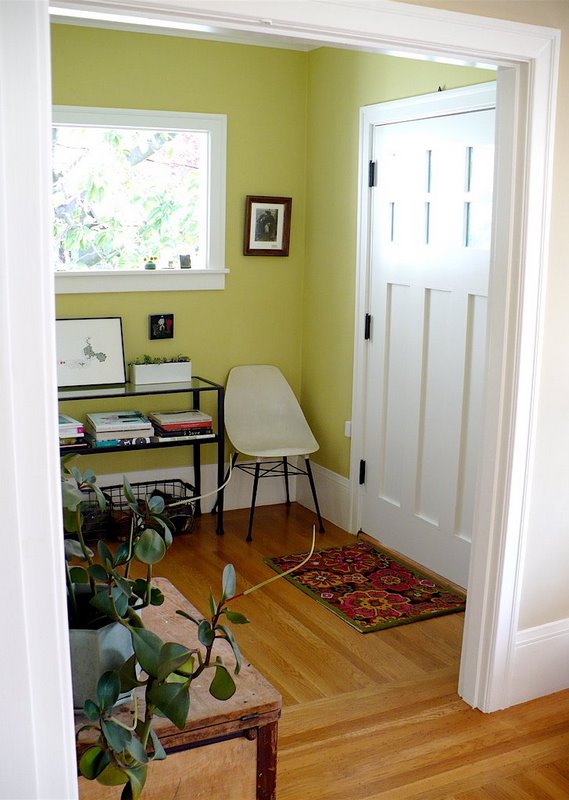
[
  {"x": 267, "y": 226},
  {"x": 161, "y": 326},
  {"x": 90, "y": 351}
]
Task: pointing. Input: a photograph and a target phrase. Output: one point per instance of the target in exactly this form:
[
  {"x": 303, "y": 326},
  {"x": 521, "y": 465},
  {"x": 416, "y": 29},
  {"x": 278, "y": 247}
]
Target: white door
[{"x": 429, "y": 254}]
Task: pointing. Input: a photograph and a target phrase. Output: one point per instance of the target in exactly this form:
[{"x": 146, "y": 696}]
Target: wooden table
[{"x": 227, "y": 749}]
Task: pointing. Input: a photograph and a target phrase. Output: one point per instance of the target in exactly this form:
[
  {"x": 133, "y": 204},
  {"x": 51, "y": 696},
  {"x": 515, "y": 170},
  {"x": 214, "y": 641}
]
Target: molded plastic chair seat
[{"x": 263, "y": 419}]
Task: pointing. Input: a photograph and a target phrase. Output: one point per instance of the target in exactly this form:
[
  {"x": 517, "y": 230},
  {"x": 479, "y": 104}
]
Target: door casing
[{"x": 529, "y": 114}]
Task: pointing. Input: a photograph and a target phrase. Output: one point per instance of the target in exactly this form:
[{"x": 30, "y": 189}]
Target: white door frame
[{"x": 382, "y": 26}]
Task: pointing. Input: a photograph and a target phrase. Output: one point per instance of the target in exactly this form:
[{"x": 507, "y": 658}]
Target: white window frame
[{"x": 213, "y": 276}]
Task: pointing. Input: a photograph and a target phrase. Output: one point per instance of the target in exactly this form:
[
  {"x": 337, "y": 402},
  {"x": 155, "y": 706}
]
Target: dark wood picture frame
[{"x": 267, "y": 225}]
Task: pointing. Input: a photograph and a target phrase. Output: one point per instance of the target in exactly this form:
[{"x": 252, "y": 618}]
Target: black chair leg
[
  {"x": 313, "y": 488},
  {"x": 253, "y": 500},
  {"x": 234, "y": 458},
  {"x": 285, "y": 470}
]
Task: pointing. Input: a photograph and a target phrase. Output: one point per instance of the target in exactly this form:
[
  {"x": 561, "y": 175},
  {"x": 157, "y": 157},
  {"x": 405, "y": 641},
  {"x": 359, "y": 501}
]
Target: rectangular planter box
[{"x": 174, "y": 372}]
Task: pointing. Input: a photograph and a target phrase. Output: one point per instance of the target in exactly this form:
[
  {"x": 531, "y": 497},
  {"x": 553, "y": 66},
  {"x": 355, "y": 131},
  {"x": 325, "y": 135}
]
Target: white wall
[{"x": 36, "y": 737}]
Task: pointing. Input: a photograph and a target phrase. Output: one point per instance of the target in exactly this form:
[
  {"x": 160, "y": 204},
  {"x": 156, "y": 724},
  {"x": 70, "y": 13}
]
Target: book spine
[
  {"x": 125, "y": 442},
  {"x": 121, "y": 434},
  {"x": 183, "y": 432},
  {"x": 187, "y": 439},
  {"x": 103, "y": 425},
  {"x": 184, "y": 426}
]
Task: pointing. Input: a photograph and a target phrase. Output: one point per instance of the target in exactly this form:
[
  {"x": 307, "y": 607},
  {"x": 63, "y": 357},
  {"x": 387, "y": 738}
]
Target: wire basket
[
  {"x": 97, "y": 523},
  {"x": 182, "y": 517}
]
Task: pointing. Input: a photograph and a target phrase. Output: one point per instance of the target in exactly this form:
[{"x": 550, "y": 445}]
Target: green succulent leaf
[
  {"x": 112, "y": 775},
  {"x": 228, "y": 581},
  {"x": 186, "y": 670},
  {"x": 188, "y": 616},
  {"x": 159, "y": 752},
  {"x": 150, "y": 547},
  {"x": 172, "y": 656},
  {"x": 147, "y": 647},
  {"x": 222, "y": 686},
  {"x": 74, "y": 550},
  {"x": 127, "y": 491},
  {"x": 206, "y": 634},
  {"x": 93, "y": 762},
  {"x": 136, "y": 780},
  {"x": 103, "y": 603},
  {"x": 124, "y": 584},
  {"x": 122, "y": 554},
  {"x": 173, "y": 700},
  {"x": 156, "y": 597},
  {"x": 156, "y": 504},
  {"x": 98, "y": 572},
  {"x": 91, "y": 710},
  {"x": 228, "y": 634},
  {"x": 78, "y": 575},
  {"x": 136, "y": 750},
  {"x": 128, "y": 677},
  {"x": 118, "y": 737},
  {"x": 70, "y": 520},
  {"x": 212, "y": 604},
  {"x": 72, "y": 496},
  {"x": 104, "y": 552},
  {"x": 108, "y": 689},
  {"x": 235, "y": 617}
]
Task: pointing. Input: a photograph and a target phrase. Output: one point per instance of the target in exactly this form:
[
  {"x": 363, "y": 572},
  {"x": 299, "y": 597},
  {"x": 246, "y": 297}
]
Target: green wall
[
  {"x": 257, "y": 319},
  {"x": 292, "y": 131},
  {"x": 339, "y": 83}
]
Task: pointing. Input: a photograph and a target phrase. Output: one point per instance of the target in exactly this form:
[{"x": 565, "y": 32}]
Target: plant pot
[
  {"x": 171, "y": 372},
  {"x": 94, "y": 652}
]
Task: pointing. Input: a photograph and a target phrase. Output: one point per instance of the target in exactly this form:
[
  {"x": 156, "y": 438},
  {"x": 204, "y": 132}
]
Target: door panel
[{"x": 429, "y": 257}]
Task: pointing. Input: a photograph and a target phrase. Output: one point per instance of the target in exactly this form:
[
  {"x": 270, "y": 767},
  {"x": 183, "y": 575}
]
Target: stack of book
[
  {"x": 117, "y": 428},
  {"x": 71, "y": 432},
  {"x": 181, "y": 426}
]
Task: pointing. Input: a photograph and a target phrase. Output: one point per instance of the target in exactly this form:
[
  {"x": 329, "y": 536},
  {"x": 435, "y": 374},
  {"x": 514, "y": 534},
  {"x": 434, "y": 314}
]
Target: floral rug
[{"x": 369, "y": 588}]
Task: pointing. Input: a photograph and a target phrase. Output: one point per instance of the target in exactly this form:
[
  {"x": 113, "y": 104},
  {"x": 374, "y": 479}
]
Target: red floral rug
[{"x": 369, "y": 588}]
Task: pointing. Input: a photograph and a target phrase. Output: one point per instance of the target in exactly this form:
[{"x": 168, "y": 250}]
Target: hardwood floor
[{"x": 374, "y": 716}]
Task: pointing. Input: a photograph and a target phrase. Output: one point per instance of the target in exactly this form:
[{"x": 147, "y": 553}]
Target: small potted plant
[
  {"x": 102, "y": 594},
  {"x": 156, "y": 369}
]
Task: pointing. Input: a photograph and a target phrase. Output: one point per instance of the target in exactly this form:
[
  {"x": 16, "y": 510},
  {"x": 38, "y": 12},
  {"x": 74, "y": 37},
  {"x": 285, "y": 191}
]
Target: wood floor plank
[{"x": 368, "y": 716}]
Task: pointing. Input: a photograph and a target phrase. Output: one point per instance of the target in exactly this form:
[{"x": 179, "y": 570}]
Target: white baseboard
[
  {"x": 237, "y": 492},
  {"x": 541, "y": 655},
  {"x": 333, "y": 490}
]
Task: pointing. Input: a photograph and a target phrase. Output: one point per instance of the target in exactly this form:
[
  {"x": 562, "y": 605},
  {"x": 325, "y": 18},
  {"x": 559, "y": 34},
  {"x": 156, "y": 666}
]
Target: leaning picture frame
[
  {"x": 90, "y": 351},
  {"x": 267, "y": 225}
]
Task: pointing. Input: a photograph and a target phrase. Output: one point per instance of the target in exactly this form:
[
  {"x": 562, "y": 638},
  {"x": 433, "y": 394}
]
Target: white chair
[{"x": 263, "y": 419}]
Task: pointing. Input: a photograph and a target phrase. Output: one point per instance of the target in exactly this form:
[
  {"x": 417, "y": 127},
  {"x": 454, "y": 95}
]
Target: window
[{"x": 138, "y": 200}]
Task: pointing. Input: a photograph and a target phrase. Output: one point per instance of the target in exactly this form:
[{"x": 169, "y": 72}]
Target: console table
[
  {"x": 195, "y": 389},
  {"x": 227, "y": 749}
]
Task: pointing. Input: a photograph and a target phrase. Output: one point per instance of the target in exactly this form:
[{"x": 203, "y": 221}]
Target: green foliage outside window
[{"x": 122, "y": 195}]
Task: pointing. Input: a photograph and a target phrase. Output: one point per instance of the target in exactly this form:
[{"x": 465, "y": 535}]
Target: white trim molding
[
  {"x": 333, "y": 492},
  {"x": 539, "y": 664}
]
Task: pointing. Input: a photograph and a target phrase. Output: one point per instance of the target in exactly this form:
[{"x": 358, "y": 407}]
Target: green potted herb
[{"x": 160, "y": 369}]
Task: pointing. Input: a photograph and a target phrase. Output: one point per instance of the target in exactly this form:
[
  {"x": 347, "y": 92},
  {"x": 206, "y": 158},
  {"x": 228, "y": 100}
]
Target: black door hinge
[
  {"x": 362, "y": 472},
  {"x": 371, "y": 174},
  {"x": 367, "y": 327}
]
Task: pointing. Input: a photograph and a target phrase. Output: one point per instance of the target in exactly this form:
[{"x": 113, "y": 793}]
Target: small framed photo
[
  {"x": 161, "y": 326},
  {"x": 267, "y": 226},
  {"x": 90, "y": 351}
]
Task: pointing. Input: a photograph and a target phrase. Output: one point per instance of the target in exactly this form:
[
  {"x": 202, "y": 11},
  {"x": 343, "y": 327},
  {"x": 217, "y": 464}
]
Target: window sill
[{"x": 140, "y": 281}]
